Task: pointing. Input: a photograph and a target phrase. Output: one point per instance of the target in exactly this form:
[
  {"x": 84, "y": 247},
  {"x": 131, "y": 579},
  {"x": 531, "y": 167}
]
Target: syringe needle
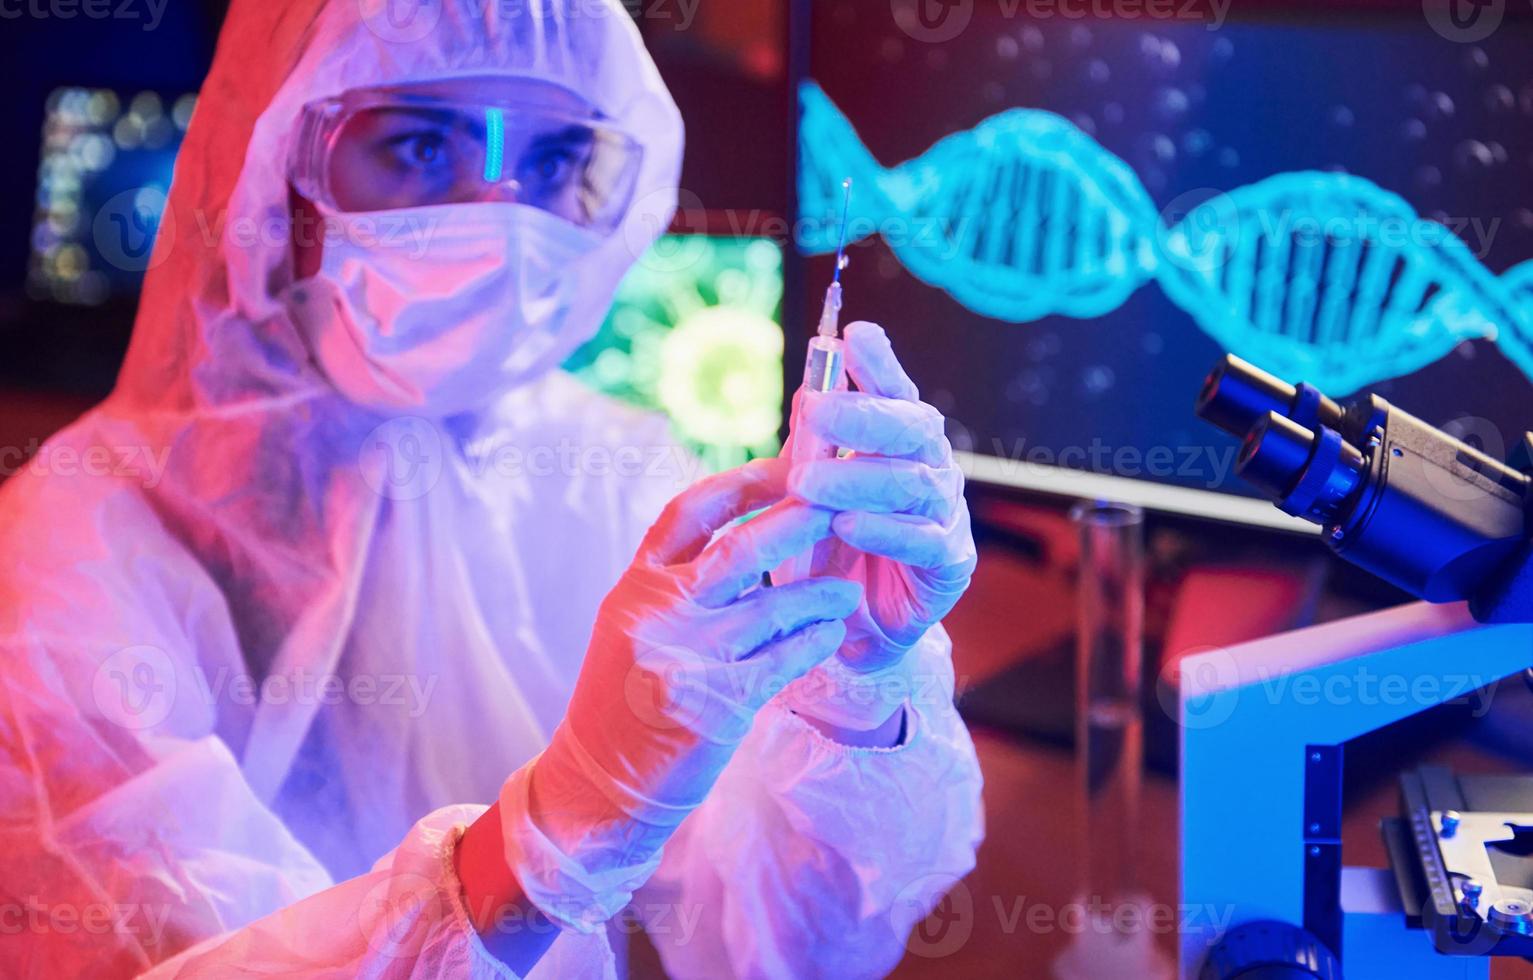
[
  {"x": 830, "y": 313},
  {"x": 846, "y": 210}
]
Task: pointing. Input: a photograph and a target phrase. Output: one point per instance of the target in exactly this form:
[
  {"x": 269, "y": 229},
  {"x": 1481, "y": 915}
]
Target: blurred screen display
[
  {"x": 103, "y": 179},
  {"x": 1065, "y": 221},
  {"x": 695, "y": 333}
]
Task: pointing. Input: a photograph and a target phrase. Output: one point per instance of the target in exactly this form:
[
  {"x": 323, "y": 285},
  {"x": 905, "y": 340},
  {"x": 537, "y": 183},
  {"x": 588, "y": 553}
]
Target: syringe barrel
[
  {"x": 824, "y": 367},
  {"x": 824, "y": 370}
]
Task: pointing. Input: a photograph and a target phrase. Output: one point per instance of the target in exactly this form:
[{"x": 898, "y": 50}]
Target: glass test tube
[{"x": 1109, "y": 725}]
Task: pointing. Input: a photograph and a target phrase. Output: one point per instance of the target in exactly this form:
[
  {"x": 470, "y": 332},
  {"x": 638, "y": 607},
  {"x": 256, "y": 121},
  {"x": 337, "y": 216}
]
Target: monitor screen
[
  {"x": 696, "y": 333},
  {"x": 103, "y": 176},
  {"x": 1064, "y": 221}
]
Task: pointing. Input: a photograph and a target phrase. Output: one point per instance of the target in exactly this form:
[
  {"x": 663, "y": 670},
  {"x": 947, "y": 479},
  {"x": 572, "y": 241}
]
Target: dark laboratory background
[{"x": 1281, "y": 86}]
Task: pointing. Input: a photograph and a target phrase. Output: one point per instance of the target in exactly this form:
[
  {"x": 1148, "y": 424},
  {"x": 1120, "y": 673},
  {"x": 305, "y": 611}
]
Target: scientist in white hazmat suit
[{"x": 292, "y": 611}]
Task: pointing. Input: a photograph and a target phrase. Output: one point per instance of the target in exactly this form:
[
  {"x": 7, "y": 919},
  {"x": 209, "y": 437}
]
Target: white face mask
[{"x": 437, "y": 309}]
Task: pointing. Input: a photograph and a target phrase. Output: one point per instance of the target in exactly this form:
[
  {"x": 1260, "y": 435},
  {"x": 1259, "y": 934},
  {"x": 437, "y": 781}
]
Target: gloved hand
[
  {"x": 902, "y": 527},
  {"x": 685, "y": 649}
]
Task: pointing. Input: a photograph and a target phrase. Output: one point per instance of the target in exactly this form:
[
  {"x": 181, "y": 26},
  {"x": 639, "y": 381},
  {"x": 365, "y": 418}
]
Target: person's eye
[
  {"x": 553, "y": 167},
  {"x": 423, "y": 150}
]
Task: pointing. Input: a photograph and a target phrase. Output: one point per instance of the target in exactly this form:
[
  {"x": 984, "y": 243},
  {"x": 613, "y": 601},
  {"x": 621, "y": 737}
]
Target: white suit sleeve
[
  {"x": 815, "y": 859},
  {"x": 404, "y": 919},
  {"x": 128, "y": 849},
  {"x": 125, "y": 834}
]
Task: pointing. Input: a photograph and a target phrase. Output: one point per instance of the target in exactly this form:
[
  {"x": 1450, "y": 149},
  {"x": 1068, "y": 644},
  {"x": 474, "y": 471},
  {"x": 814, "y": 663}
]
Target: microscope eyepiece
[
  {"x": 1409, "y": 502},
  {"x": 1236, "y": 396},
  {"x": 1274, "y": 454},
  {"x": 1310, "y": 474}
]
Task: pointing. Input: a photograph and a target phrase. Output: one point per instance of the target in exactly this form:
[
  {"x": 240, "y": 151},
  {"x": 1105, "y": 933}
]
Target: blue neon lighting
[
  {"x": 494, "y": 144},
  {"x": 1317, "y": 276}
]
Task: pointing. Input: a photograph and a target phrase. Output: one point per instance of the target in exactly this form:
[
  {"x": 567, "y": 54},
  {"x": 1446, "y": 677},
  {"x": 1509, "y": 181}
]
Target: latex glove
[
  {"x": 685, "y": 649},
  {"x": 902, "y": 527}
]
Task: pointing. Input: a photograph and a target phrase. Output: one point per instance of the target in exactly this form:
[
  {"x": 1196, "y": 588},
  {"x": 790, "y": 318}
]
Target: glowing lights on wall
[
  {"x": 102, "y": 184},
  {"x": 694, "y": 332},
  {"x": 1317, "y": 276}
]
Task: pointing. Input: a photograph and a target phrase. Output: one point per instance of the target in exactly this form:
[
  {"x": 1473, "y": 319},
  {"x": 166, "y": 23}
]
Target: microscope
[
  {"x": 1396, "y": 497},
  {"x": 1447, "y": 523}
]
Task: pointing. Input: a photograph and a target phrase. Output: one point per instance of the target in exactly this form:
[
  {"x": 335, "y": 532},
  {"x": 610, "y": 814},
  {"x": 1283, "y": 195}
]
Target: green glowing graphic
[{"x": 695, "y": 333}]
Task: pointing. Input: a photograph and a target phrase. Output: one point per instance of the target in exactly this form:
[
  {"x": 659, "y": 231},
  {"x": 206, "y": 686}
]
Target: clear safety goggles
[{"x": 378, "y": 149}]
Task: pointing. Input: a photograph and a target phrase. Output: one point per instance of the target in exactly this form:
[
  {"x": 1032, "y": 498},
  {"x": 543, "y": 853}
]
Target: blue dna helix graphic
[{"x": 1321, "y": 277}]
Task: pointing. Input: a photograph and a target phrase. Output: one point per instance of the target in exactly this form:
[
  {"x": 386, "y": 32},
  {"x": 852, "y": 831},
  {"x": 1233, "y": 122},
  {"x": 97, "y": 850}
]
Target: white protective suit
[{"x": 258, "y": 647}]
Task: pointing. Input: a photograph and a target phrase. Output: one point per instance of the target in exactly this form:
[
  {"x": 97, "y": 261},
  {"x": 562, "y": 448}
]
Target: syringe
[{"x": 824, "y": 370}]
